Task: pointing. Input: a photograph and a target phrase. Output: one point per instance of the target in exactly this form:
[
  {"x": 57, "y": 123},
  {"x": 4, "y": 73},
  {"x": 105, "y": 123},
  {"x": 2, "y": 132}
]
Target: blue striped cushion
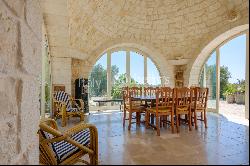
[
  {"x": 63, "y": 149},
  {"x": 64, "y": 97}
]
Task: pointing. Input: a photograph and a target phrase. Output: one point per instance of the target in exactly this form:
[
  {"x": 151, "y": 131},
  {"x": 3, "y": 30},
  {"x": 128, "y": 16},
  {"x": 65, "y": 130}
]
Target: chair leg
[
  {"x": 124, "y": 117},
  {"x": 189, "y": 121},
  {"x": 147, "y": 119},
  {"x": 130, "y": 119},
  {"x": 192, "y": 118},
  {"x": 205, "y": 119},
  {"x": 93, "y": 159},
  {"x": 172, "y": 123},
  {"x": 195, "y": 120},
  {"x": 157, "y": 125},
  {"x": 138, "y": 118},
  {"x": 177, "y": 123},
  {"x": 161, "y": 120},
  {"x": 82, "y": 117},
  {"x": 64, "y": 118}
]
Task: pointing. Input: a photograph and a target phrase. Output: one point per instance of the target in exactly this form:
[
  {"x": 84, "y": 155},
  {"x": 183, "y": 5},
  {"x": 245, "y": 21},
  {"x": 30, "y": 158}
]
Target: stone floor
[{"x": 223, "y": 142}]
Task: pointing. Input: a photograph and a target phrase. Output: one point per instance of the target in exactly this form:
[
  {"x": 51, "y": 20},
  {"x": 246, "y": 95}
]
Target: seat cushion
[{"x": 63, "y": 149}]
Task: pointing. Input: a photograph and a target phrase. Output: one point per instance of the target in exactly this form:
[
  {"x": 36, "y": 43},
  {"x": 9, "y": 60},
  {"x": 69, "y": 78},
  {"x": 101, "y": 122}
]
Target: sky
[{"x": 232, "y": 54}]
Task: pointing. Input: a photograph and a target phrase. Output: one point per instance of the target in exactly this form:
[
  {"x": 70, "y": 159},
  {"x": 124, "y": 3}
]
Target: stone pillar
[
  {"x": 247, "y": 78},
  {"x": 109, "y": 83},
  {"x": 20, "y": 75},
  {"x": 128, "y": 78},
  {"x": 217, "y": 78},
  {"x": 43, "y": 80},
  {"x": 145, "y": 71}
]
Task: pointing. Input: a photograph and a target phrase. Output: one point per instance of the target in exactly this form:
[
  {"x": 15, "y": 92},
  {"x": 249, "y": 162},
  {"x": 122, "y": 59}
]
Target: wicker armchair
[
  {"x": 65, "y": 106},
  {"x": 61, "y": 148}
]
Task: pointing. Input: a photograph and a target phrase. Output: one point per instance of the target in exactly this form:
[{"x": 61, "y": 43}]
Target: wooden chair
[
  {"x": 149, "y": 91},
  {"x": 199, "y": 104},
  {"x": 125, "y": 103},
  {"x": 164, "y": 107},
  {"x": 183, "y": 98},
  {"x": 132, "y": 106},
  {"x": 66, "y": 106},
  {"x": 66, "y": 148}
]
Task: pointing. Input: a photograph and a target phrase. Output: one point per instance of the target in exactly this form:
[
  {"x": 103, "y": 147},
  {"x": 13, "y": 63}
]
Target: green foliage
[
  {"x": 240, "y": 86},
  {"x": 211, "y": 75},
  {"x": 116, "y": 91},
  {"x": 224, "y": 77},
  {"x": 98, "y": 82},
  {"x": 230, "y": 89}
]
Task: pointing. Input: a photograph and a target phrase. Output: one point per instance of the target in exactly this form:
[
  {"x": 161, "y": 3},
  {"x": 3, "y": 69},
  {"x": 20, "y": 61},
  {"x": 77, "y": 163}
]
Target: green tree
[
  {"x": 116, "y": 91},
  {"x": 211, "y": 75},
  {"x": 98, "y": 80},
  {"x": 224, "y": 77}
]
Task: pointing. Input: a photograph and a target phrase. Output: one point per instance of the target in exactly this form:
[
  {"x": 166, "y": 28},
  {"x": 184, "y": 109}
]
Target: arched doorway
[{"x": 224, "y": 72}]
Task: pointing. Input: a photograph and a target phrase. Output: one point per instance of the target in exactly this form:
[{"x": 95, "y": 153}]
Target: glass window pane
[
  {"x": 153, "y": 77},
  {"x": 98, "y": 78},
  {"x": 118, "y": 73},
  {"x": 210, "y": 81},
  {"x": 136, "y": 68}
]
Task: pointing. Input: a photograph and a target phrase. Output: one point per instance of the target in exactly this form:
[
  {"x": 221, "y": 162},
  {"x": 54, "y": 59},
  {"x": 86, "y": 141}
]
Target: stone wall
[
  {"x": 61, "y": 72},
  {"x": 20, "y": 67}
]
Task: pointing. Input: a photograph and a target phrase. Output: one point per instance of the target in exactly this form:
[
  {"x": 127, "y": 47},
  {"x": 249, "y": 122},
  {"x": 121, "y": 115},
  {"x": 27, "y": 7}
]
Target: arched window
[{"x": 124, "y": 66}]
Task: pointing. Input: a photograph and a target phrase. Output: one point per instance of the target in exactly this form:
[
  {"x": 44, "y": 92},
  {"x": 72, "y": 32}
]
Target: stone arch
[
  {"x": 165, "y": 69},
  {"x": 207, "y": 50}
]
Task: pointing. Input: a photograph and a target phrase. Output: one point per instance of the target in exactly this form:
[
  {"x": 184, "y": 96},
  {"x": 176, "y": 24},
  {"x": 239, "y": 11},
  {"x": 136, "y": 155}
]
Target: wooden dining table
[{"x": 146, "y": 99}]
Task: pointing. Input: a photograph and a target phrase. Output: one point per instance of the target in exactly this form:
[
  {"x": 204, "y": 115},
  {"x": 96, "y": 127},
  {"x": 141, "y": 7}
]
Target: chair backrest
[
  {"x": 183, "y": 96},
  {"x": 135, "y": 91},
  {"x": 47, "y": 154},
  {"x": 125, "y": 96},
  {"x": 62, "y": 96},
  {"x": 149, "y": 91},
  {"x": 200, "y": 97},
  {"x": 164, "y": 97}
]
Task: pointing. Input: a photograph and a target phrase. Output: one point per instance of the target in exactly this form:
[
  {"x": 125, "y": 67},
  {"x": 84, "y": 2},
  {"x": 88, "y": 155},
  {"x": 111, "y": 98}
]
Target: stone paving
[{"x": 223, "y": 142}]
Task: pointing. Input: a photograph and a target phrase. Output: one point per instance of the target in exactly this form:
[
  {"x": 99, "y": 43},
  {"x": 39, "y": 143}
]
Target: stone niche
[
  {"x": 20, "y": 69},
  {"x": 179, "y": 75}
]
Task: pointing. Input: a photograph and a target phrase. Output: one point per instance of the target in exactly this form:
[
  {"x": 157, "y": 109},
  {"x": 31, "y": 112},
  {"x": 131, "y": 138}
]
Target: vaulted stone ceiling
[{"x": 173, "y": 27}]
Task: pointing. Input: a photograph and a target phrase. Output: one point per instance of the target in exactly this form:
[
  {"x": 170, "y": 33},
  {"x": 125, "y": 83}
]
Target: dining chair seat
[
  {"x": 183, "y": 108},
  {"x": 161, "y": 109}
]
